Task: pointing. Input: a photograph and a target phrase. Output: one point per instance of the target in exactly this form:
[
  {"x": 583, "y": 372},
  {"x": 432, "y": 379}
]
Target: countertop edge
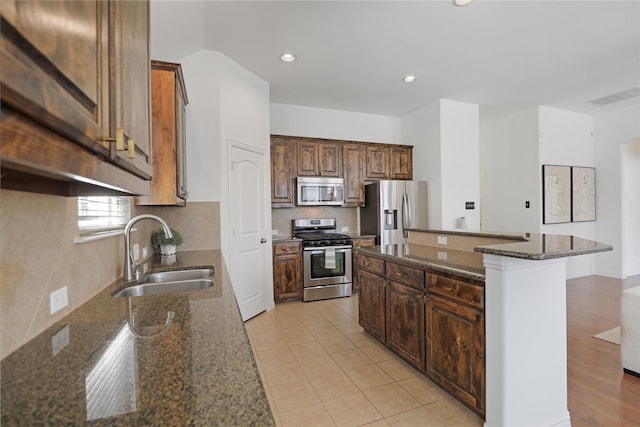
[{"x": 375, "y": 251}]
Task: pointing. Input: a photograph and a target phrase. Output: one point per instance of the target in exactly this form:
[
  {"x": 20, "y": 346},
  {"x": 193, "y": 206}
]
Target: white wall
[
  {"x": 334, "y": 124},
  {"x": 201, "y": 72},
  {"x": 631, "y": 208},
  {"x": 565, "y": 138},
  {"x": 244, "y": 118},
  {"x": 446, "y": 155},
  {"x": 511, "y": 173},
  {"x": 460, "y": 174},
  {"x": 167, "y": 19},
  {"x": 422, "y": 130},
  {"x": 612, "y": 131}
]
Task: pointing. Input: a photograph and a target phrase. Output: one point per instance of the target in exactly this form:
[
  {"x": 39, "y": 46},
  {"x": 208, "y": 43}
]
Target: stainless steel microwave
[{"x": 314, "y": 191}]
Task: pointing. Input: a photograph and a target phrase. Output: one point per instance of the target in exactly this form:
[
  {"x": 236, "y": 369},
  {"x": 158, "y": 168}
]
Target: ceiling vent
[{"x": 617, "y": 97}]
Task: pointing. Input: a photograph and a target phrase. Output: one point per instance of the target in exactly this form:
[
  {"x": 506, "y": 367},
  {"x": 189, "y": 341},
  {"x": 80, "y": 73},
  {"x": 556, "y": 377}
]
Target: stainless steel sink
[
  {"x": 165, "y": 282},
  {"x": 179, "y": 275}
]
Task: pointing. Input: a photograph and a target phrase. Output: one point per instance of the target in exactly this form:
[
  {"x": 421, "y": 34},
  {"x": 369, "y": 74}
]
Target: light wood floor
[{"x": 600, "y": 394}]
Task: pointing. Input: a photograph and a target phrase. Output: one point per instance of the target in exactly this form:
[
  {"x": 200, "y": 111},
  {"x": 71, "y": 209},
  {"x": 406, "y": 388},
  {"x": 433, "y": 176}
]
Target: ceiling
[{"x": 352, "y": 55}]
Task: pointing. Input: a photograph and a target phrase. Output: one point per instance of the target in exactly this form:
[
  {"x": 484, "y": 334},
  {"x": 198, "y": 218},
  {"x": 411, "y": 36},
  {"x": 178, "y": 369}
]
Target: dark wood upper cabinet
[
  {"x": 64, "y": 96},
  {"x": 169, "y": 100},
  {"x": 130, "y": 89},
  {"x": 401, "y": 163},
  {"x": 319, "y": 158},
  {"x": 353, "y": 161},
  {"x": 53, "y": 76},
  {"x": 353, "y": 174},
  {"x": 378, "y": 162},
  {"x": 283, "y": 172}
]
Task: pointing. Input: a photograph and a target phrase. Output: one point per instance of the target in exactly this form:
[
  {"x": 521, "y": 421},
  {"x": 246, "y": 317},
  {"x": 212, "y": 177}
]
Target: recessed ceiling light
[
  {"x": 409, "y": 79},
  {"x": 461, "y": 2},
  {"x": 287, "y": 57}
]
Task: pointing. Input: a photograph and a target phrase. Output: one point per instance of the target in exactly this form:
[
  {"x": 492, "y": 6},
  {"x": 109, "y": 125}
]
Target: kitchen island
[
  {"x": 126, "y": 361},
  {"x": 483, "y": 315}
]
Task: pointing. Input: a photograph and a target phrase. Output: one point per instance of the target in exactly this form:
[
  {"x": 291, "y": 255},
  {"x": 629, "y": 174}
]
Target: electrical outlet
[
  {"x": 58, "y": 299},
  {"x": 274, "y": 232},
  {"x": 60, "y": 340},
  {"x": 145, "y": 252},
  {"x": 442, "y": 240},
  {"x": 345, "y": 229},
  {"x": 442, "y": 255},
  {"x": 136, "y": 252}
]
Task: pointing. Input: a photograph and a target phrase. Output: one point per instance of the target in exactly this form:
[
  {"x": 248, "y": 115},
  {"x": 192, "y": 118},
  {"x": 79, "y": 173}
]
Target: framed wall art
[
  {"x": 583, "y": 194},
  {"x": 556, "y": 194}
]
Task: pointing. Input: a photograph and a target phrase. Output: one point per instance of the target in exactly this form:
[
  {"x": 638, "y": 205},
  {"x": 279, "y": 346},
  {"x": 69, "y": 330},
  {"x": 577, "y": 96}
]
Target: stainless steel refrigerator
[{"x": 391, "y": 207}]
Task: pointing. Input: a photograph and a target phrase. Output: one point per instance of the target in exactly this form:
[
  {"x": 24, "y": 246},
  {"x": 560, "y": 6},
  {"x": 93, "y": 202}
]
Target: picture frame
[
  {"x": 556, "y": 194},
  {"x": 583, "y": 194}
]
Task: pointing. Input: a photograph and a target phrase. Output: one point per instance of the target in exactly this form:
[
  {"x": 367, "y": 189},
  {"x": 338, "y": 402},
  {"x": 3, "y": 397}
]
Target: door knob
[{"x": 263, "y": 240}]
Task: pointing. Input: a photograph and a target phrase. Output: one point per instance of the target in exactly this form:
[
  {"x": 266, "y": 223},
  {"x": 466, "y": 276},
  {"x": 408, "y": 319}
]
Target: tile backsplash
[
  {"x": 345, "y": 217},
  {"x": 38, "y": 255}
]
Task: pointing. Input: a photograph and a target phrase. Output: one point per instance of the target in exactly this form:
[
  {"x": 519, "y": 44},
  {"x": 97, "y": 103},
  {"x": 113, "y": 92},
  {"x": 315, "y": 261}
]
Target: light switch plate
[
  {"x": 345, "y": 229},
  {"x": 442, "y": 240},
  {"x": 442, "y": 255}
]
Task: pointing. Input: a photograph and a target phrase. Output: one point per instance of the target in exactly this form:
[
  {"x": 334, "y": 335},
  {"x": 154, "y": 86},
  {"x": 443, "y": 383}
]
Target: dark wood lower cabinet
[
  {"x": 405, "y": 323},
  {"x": 372, "y": 304},
  {"x": 287, "y": 268},
  {"x": 455, "y": 349},
  {"x": 441, "y": 333}
]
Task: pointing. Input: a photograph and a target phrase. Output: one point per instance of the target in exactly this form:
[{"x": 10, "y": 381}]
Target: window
[{"x": 102, "y": 214}]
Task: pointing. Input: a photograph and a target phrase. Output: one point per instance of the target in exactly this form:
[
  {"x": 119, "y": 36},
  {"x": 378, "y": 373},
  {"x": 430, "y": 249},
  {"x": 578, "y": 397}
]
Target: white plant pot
[{"x": 167, "y": 250}]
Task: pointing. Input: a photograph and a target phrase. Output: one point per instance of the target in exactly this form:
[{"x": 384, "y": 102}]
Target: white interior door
[{"x": 248, "y": 243}]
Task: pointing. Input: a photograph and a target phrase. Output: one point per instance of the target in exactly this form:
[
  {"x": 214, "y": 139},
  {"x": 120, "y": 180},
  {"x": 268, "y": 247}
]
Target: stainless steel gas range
[{"x": 326, "y": 259}]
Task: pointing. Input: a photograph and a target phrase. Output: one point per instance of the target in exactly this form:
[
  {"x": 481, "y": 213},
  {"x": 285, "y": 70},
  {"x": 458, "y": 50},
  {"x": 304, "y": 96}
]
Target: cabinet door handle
[
  {"x": 131, "y": 147},
  {"x": 119, "y": 140}
]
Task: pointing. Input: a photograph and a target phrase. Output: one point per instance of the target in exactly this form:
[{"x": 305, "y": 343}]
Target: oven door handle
[{"x": 322, "y": 248}]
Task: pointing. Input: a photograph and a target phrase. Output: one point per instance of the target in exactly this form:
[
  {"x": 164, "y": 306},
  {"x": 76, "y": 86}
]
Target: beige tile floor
[{"x": 319, "y": 368}]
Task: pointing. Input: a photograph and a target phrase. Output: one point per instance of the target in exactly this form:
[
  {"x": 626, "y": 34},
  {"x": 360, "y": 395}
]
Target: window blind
[{"x": 100, "y": 214}]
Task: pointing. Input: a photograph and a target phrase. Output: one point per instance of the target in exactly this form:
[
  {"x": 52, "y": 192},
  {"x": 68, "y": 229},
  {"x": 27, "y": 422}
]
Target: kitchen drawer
[
  {"x": 286, "y": 248},
  {"x": 410, "y": 276},
  {"x": 361, "y": 242},
  {"x": 456, "y": 289},
  {"x": 374, "y": 265}
]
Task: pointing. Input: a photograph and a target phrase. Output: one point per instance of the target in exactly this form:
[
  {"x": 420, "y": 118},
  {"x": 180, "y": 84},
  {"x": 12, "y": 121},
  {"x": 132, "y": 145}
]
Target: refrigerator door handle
[{"x": 406, "y": 211}]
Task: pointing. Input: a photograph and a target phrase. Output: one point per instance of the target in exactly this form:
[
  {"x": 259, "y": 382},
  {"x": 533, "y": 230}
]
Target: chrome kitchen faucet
[{"x": 128, "y": 259}]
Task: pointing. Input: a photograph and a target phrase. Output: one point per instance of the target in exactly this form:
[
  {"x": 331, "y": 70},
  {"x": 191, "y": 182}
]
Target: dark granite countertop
[
  {"x": 546, "y": 246},
  {"x": 90, "y": 368},
  {"x": 470, "y": 264},
  {"x": 531, "y": 246},
  {"x": 441, "y": 260}
]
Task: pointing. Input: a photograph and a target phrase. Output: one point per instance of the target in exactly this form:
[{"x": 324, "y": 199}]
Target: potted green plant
[{"x": 166, "y": 244}]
